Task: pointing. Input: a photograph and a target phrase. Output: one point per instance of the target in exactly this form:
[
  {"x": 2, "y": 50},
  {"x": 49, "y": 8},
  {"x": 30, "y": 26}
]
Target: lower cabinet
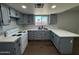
[
  {"x": 38, "y": 35},
  {"x": 63, "y": 44},
  {"x": 56, "y": 41},
  {"x": 66, "y": 45},
  {"x": 51, "y": 36},
  {"x": 10, "y": 48}
]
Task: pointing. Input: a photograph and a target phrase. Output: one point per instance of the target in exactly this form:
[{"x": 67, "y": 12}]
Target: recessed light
[
  {"x": 23, "y": 6},
  {"x": 53, "y": 6}
]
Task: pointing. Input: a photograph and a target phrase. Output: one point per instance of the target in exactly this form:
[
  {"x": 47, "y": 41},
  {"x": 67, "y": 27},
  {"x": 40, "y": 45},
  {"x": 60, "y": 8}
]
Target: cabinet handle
[
  {"x": 19, "y": 44},
  {"x": 71, "y": 41},
  {"x": 14, "y": 48}
]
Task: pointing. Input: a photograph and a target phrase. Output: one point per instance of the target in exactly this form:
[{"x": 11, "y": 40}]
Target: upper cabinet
[
  {"x": 13, "y": 13},
  {"x": 25, "y": 17},
  {"x": 53, "y": 19},
  {"x": 5, "y": 14},
  {"x": 30, "y": 19}
]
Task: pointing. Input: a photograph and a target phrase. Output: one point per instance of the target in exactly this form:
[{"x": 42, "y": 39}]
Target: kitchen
[{"x": 39, "y": 28}]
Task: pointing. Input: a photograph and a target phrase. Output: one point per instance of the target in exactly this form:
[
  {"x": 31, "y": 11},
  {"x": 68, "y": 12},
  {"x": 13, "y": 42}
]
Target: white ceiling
[{"x": 61, "y": 7}]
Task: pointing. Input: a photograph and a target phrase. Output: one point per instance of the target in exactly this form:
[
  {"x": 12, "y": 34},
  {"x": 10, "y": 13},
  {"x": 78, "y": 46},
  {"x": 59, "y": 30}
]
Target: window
[{"x": 41, "y": 20}]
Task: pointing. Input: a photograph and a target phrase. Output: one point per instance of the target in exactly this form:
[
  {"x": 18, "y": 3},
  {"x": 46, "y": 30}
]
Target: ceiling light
[
  {"x": 23, "y": 6},
  {"x": 54, "y": 6}
]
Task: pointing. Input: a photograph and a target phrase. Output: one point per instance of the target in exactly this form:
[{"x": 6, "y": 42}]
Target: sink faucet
[{"x": 40, "y": 27}]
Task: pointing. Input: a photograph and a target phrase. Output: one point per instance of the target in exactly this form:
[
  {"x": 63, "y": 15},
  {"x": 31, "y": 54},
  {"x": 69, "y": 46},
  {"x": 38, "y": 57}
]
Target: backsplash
[{"x": 36, "y": 27}]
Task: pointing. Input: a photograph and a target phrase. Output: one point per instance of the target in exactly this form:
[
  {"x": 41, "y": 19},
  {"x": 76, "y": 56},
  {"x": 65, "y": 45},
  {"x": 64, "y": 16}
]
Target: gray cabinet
[
  {"x": 63, "y": 44},
  {"x": 5, "y": 14},
  {"x": 38, "y": 35},
  {"x": 66, "y": 45},
  {"x": 56, "y": 41},
  {"x": 10, "y": 48},
  {"x": 53, "y": 19},
  {"x": 12, "y": 12},
  {"x": 30, "y": 19},
  {"x": 26, "y": 19},
  {"x": 52, "y": 36},
  {"x": 20, "y": 21}
]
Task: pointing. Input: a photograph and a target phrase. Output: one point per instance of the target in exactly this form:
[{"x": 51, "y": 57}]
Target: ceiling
[{"x": 61, "y": 7}]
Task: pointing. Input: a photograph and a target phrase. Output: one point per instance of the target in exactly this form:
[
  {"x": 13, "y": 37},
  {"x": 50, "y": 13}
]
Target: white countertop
[
  {"x": 8, "y": 39},
  {"x": 63, "y": 33},
  {"x": 59, "y": 32}
]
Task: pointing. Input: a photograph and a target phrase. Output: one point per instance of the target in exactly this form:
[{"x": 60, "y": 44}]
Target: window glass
[
  {"x": 44, "y": 20},
  {"x": 41, "y": 20}
]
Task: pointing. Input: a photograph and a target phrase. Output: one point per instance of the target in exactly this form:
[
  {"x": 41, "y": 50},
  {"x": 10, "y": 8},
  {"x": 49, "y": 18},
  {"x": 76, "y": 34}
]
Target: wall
[
  {"x": 11, "y": 25},
  {"x": 68, "y": 20},
  {"x": 78, "y": 26}
]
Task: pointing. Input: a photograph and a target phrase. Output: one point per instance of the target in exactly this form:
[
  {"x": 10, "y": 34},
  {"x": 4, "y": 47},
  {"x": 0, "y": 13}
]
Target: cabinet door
[
  {"x": 52, "y": 36},
  {"x": 12, "y": 12},
  {"x": 65, "y": 45},
  {"x": 37, "y": 35},
  {"x": 56, "y": 41},
  {"x": 46, "y": 35},
  {"x": 21, "y": 19},
  {"x": 53, "y": 19},
  {"x": 30, "y": 35},
  {"x": 17, "y": 47},
  {"x": 30, "y": 19},
  {"x": 0, "y": 19},
  {"x": 25, "y": 17},
  {"x": 17, "y": 13},
  {"x": 5, "y": 14}
]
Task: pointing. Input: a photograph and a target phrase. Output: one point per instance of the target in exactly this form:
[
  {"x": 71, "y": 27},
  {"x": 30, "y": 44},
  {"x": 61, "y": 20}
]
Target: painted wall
[
  {"x": 68, "y": 20},
  {"x": 11, "y": 25}
]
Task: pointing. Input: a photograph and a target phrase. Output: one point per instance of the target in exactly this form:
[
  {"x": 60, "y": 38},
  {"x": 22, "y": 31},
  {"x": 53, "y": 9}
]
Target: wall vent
[{"x": 39, "y": 5}]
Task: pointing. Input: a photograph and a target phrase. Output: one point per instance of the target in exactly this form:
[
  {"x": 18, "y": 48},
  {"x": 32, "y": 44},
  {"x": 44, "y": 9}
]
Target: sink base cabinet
[{"x": 38, "y": 35}]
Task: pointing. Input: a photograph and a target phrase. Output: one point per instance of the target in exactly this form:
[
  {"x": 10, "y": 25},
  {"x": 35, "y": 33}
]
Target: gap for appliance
[{"x": 40, "y": 47}]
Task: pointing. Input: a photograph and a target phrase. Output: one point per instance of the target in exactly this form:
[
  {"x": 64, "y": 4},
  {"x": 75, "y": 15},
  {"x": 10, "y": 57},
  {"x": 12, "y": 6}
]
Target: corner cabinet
[
  {"x": 5, "y": 14},
  {"x": 65, "y": 45}
]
